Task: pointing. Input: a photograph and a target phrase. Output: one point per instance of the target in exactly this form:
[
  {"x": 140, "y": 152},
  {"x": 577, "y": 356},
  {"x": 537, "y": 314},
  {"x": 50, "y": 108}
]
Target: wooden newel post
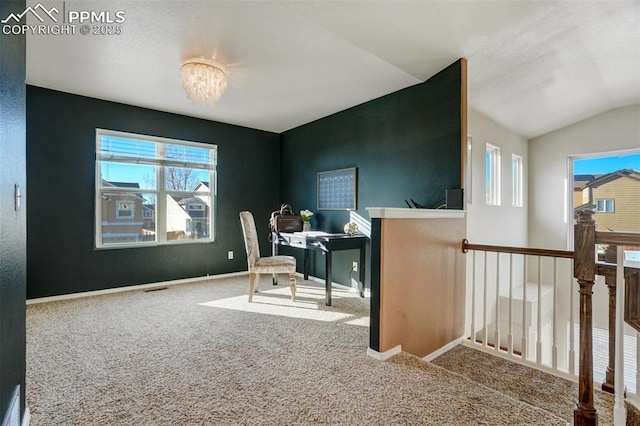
[{"x": 584, "y": 270}]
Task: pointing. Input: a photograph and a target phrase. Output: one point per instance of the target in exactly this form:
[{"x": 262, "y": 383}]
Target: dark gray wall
[
  {"x": 61, "y": 178},
  {"x": 13, "y": 231},
  {"x": 405, "y": 145}
]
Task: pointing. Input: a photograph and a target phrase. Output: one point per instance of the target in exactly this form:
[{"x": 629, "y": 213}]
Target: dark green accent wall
[
  {"x": 13, "y": 226},
  {"x": 405, "y": 145},
  {"x": 61, "y": 174}
]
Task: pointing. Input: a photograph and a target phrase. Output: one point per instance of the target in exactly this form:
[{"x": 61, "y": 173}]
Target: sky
[{"x": 601, "y": 165}]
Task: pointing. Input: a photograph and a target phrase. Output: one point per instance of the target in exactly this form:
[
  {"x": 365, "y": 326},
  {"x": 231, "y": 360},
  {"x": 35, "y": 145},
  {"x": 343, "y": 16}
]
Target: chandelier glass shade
[{"x": 202, "y": 81}]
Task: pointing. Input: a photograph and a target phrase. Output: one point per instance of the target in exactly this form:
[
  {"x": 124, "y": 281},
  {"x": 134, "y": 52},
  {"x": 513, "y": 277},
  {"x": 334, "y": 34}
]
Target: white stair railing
[{"x": 536, "y": 288}]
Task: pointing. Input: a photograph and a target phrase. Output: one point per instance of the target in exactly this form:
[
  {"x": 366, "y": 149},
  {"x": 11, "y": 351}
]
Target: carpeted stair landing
[{"x": 552, "y": 394}]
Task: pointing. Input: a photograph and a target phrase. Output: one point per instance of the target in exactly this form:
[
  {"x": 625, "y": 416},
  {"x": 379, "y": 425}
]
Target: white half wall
[
  {"x": 504, "y": 224},
  {"x": 614, "y": 130}
]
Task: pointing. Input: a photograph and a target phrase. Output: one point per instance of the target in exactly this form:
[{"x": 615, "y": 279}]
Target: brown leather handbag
[{"x": 285, "y": 220}]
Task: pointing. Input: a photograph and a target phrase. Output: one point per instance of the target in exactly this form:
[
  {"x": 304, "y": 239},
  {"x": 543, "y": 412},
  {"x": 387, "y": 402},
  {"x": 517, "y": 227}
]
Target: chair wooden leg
[
  {"x": 292, "y": 284},
  {"x": 253, "y": 283}
]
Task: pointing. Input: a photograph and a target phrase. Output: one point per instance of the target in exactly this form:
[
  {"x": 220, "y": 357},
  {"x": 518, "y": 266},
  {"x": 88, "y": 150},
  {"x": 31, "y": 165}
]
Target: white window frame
[
  {"x": 492, "y": 175},
  {"x": 605, "y": 202},
  {"x": 517, "y": 181},
  {"x": 161, "y": 192}
]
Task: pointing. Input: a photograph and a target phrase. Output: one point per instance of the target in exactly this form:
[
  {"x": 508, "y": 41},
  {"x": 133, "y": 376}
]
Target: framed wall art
[{"x": 337, "y": 189}]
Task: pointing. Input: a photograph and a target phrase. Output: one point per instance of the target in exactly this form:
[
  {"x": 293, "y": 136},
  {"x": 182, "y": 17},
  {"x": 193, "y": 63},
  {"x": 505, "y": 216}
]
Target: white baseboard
[
  {"x": 27, "y": 417},
  {"x": 446, "y": 348},
  {"x": 383, "y": 356},
  {"x": 633, "y": 399},
  {"x": 132, "y": 288}
]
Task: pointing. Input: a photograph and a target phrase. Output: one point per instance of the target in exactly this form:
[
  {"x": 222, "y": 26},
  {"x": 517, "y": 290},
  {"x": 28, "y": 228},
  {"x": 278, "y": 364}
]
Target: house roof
[
  {"x": 580, "y": 181},
  {"x": 123, "y": 184},
  {"x": 609, "y": 177}
]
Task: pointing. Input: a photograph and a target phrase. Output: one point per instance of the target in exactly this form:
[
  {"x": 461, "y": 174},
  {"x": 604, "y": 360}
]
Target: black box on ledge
[{"x": 454, "y": 199}]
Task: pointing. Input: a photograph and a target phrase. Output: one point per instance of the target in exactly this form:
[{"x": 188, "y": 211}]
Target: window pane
[
  {"x": 127, "y": 147},
  {"x": 492, "y": 164},
  {"x": 126, "y": 218},
  {"x": 187, "y": 217},
  {"x": 125, "y": 175},
  {"x": 182, "y": 179},
  {"x": 189, "y": 154},
  {"x": 516, "y": 181}
]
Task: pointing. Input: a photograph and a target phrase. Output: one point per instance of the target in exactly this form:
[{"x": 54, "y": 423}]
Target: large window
[
  {"x": 153, "y": 190},
  {"x": 492, "y": 163}
]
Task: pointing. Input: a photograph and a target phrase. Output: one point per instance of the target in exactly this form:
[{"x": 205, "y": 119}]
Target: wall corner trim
[{"x": 383, "y": 356}]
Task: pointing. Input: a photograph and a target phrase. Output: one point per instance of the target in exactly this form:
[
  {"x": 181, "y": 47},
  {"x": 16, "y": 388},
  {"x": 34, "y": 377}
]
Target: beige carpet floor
[
  {"x": 553, "y": 394},
  {"x": 199, "y": 354}
]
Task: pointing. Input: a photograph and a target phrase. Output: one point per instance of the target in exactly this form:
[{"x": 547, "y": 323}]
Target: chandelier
[{"x": 202, "y": 81}]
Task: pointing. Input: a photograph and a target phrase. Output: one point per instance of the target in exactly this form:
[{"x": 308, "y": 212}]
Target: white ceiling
[{"x": 533, "y": 66}]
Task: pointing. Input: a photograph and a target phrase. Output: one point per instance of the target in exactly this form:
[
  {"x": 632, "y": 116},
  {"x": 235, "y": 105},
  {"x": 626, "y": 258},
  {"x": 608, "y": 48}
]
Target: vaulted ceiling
[{"x": 533, "y": 66}]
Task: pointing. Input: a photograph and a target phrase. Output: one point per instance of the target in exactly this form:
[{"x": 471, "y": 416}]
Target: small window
[
  {"x": 124, "y": 209},
  {"x": 492, "y": 162},
  {"x": 516, "y": 181},
  {"x": 606, "y": 205}
]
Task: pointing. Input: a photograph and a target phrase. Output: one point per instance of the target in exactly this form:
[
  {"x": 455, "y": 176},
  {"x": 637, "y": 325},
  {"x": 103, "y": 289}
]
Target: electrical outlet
[
  {"x": 230, "y": 255},
  {"x": 354, "y": 268}
]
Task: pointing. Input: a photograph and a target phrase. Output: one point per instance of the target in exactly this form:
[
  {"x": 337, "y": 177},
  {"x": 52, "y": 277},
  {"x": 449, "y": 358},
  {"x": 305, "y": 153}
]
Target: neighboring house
[
  {"x": 178, "y": 220},
  {"x": 197, "y": 209},
  {"x": 580, "y": 196},
  {"x": 122, "y": 214},
  {"x": 126, "y": 217},
  {"x": 615, "y": 198}
]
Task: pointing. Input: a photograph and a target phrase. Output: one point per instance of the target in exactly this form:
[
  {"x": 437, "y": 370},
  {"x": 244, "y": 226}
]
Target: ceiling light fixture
[{"x": 202, "y": 81}]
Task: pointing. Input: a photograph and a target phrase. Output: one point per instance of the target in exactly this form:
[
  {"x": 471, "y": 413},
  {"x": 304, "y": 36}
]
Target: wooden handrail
[
  {"x": 605, "y": 269},
  {"x": 618, "y": 238},
  {"x": 517, "y": 250}
]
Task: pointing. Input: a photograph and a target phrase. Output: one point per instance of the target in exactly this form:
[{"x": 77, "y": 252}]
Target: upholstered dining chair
[{"x": 264, "y": 265}]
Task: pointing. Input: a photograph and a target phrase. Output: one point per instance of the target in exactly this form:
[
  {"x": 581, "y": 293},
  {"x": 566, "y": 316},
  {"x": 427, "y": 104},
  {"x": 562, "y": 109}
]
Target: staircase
[{"x": 550, "y": 393}]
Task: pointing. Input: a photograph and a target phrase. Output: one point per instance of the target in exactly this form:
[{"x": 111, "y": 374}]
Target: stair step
[{"x": 550, "y": 393}]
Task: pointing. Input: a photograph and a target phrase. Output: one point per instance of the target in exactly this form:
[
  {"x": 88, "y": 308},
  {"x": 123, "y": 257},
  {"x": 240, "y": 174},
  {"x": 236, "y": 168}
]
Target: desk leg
[
  {"x": 327, "y": 279},
  {"x": 274, "y": 252},
  {"x": 361, "y": 283},
  {"x": 306, "y": 264}
]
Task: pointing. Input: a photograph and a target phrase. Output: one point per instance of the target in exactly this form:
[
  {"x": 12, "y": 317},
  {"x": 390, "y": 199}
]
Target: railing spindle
[
  {"x": 554, "y": 344},
  {"x": 638, "y": 367},
  {"x": 510, "y": 333},
  {"x": 485, "y": 331},
  {"x": 619, "y": 411},
  {"x": 496, "y": 334},
  {"x": 523, "y": 340},
  {"x": 572, "y": 330},
  {"x": 473, "y": 298},
  {"x": 539, "y": 322}
]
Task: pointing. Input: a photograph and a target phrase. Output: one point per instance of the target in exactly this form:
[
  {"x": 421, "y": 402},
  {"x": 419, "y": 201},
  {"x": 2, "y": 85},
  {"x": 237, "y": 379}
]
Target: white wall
[
  {"x": 615, "y": 130},
  {"x": 618, "y": 129},
  {"x": 496, "y": 225},
  {"x": 504, "y": 224}
]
